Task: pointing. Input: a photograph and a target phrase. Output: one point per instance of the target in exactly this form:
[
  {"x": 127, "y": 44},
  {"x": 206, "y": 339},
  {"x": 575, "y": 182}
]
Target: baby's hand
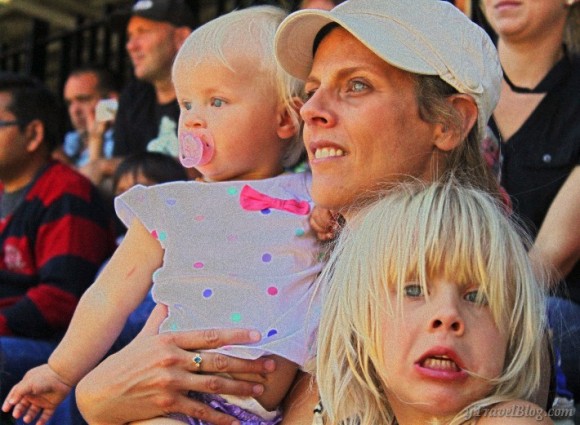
[
  {"x": 41, "y": 390},
  {"x": 325, "y": 223}
]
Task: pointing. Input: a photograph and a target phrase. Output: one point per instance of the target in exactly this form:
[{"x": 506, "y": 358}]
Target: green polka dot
[
  {"x": 299, "y": 232},
  {"x": 232, "y": 191},
  {"x": 174, "y": 327},
  {"x": 236, "y": 317}
]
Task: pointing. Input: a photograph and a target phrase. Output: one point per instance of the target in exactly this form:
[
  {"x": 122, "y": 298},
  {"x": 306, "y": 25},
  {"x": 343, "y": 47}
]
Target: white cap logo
[{"x": 143, "y": 5}]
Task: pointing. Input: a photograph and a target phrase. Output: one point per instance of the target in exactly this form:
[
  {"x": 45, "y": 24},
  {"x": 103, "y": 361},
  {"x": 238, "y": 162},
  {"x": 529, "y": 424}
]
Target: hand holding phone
[{"x": 106, "y": 110}]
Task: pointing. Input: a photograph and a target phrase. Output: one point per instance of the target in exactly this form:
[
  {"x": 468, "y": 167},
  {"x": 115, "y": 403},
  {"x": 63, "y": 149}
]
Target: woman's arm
[
  {"x": 558, "y": 241},
  {"x": 152, "y": 375}
]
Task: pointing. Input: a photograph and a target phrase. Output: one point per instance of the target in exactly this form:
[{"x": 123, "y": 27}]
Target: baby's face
[
  {"x": 434, "y": 344},
  {"x": 235, "y": 111}
]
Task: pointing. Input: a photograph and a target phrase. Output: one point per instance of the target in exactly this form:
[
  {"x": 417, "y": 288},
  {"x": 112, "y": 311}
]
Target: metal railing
[{"x": 95, "y": 42}]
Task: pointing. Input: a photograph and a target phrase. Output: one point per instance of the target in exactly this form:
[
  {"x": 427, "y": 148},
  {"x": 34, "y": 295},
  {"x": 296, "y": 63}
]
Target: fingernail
[
  {"x": 258, "y": 389},
  {"x": 255, "y": 336},
  {"x": 270, "y": 365}
]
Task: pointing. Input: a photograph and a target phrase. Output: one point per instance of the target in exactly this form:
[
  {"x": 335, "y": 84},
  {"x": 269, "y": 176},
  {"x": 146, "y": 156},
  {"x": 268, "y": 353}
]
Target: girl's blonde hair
[
  {"x": 249, "y": 32},
  {"x": 420, "y": 231}
]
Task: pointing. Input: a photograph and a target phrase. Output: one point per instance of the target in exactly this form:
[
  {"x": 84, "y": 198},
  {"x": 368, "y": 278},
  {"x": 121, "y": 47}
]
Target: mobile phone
[{"x": 106, "y": 110}]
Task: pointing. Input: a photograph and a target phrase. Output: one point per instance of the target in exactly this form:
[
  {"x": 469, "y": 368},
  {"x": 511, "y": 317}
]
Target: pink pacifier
[{"x": 195, "y": 148}]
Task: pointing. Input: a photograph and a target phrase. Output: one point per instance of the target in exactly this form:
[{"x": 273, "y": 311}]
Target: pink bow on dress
[{"x": 252, "y": 200}]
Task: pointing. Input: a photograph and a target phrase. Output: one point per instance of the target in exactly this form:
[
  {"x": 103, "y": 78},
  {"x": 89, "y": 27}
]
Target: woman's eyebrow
[{"x": 341, "y": 73}]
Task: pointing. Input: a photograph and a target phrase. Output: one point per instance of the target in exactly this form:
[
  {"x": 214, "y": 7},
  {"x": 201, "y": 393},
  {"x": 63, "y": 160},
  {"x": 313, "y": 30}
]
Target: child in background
[
  {"x": 145, "y": 168},
  {"x": 432, "y": 314},
  {"x": 232, "y": 251}
]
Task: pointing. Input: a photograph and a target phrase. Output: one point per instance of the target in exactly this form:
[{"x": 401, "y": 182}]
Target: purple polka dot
[
  {"x": 266, "y": 211},
  {"x": 272, "y": 290},
  {"x": 171, "y": 202},
  {"x": 207, "y": 293},
  {"x": 266, "y": 258},
  {"x": 272, "y": 332},
  {"x": 198, "y": 265}
]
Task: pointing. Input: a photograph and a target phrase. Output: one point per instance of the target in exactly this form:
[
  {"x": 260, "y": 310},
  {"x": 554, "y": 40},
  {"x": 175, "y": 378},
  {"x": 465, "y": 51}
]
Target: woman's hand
[{"x": 152, "y": 375}]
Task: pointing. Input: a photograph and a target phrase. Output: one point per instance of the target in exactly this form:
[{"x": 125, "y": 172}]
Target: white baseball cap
[{"x": 427, "y": 37}]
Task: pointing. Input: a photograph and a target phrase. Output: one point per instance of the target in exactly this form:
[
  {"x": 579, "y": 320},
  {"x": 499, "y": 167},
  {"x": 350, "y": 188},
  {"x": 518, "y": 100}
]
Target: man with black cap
[{"x": 148, "y": 110}]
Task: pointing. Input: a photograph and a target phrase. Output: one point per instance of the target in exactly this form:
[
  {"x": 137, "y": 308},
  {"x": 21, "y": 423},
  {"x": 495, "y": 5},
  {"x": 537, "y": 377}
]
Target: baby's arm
[{"x": 97, "y": 321}]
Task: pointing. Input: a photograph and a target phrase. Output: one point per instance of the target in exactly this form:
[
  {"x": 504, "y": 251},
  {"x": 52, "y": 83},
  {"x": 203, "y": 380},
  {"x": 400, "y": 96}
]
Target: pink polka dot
[
  {"x": 232, "y": 238},
  {"x": 199, "y": 218},
  {"x": 272, "y": 290},
  {"x": 198, "y": 265}
]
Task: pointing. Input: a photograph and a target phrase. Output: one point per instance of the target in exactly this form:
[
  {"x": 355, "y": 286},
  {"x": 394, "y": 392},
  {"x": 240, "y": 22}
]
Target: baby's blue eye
[
  {"x": 218, "y": 103},
  {"x": 187, "y": 105},
  {"x": 413, "y": 290}
]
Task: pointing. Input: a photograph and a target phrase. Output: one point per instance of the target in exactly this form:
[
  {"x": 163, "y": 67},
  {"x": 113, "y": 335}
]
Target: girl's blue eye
[
  {"x": 413, "y": 290},
  {"x": 187, "y": 105},
  {"x": 218, "y": 103},
  {"x": 473, "y": 296}
]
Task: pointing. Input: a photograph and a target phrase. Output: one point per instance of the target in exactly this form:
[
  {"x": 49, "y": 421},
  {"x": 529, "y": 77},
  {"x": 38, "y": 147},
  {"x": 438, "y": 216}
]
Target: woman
[
  {"x": 367, "y": 123},
  {"x": 537, "y": 121}
]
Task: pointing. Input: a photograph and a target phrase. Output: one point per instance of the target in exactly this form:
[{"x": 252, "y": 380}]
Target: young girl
[
  {"x": 232, "y": 251},
  {"x": 432, "y": 314}
]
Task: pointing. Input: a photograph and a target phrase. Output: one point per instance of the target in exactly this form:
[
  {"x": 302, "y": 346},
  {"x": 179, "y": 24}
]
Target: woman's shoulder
[{"x": 518, "y": 412}]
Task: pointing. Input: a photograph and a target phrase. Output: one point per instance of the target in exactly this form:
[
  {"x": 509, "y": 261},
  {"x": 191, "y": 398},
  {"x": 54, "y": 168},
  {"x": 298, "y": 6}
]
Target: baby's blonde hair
[
  {"x": 251, "y": 32},
  {"x": 420, "y": 231}
]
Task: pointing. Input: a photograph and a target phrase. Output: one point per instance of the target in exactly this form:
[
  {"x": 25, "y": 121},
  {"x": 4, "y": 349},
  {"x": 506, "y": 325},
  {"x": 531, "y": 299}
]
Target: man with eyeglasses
[{"x": 55, "y": 231}]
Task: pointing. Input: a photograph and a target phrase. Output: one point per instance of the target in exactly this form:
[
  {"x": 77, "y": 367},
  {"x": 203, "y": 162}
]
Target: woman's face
[
  {"x": 361, "y": 123},
  {"x": 525, "y": 19},
  {"x": 430, "y": 346}
]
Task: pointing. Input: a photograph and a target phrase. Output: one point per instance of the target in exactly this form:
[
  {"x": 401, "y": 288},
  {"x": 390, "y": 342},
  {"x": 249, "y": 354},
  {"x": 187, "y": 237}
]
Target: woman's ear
[
  {"x": 448, "y": 137},
  {"x": 287, "y": 126},
  {"x": 34, "y": 133}
]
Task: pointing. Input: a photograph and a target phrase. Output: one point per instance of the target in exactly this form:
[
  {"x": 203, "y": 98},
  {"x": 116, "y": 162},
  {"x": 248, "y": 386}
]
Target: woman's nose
[{"x": 317, "y": 111}]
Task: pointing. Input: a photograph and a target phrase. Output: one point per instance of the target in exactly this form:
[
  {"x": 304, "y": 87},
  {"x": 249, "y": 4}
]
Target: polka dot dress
[{"x": 228, "y": 266}]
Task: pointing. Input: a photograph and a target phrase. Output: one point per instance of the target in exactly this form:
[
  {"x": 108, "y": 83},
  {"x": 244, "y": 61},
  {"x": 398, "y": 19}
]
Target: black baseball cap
[{"x": 175, "y": 12}]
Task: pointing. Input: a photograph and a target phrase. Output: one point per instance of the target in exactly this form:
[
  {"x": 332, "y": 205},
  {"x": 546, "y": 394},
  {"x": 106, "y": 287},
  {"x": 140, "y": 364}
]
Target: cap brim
[
  {"x": 295, "y": 39},
  {"x": 296, "y": 34}
]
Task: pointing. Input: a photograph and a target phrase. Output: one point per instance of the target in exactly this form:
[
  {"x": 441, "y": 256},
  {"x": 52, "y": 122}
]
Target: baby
[
  {"x": 432, "y": 314},
  {"x": 231, "y": 250}
]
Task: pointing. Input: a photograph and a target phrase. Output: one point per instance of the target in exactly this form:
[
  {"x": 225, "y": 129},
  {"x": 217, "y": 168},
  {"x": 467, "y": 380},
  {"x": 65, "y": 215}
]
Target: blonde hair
[
  {"x": 249, "y": 31},
  {"x": 420, "y": 231}
]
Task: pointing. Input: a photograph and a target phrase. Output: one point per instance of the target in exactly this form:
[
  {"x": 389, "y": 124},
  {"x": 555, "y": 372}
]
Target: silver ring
[{"x": 197, "y": 360}]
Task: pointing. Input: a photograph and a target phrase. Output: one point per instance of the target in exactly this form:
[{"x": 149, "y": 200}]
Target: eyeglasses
[{"x": 8, "y": 123}]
